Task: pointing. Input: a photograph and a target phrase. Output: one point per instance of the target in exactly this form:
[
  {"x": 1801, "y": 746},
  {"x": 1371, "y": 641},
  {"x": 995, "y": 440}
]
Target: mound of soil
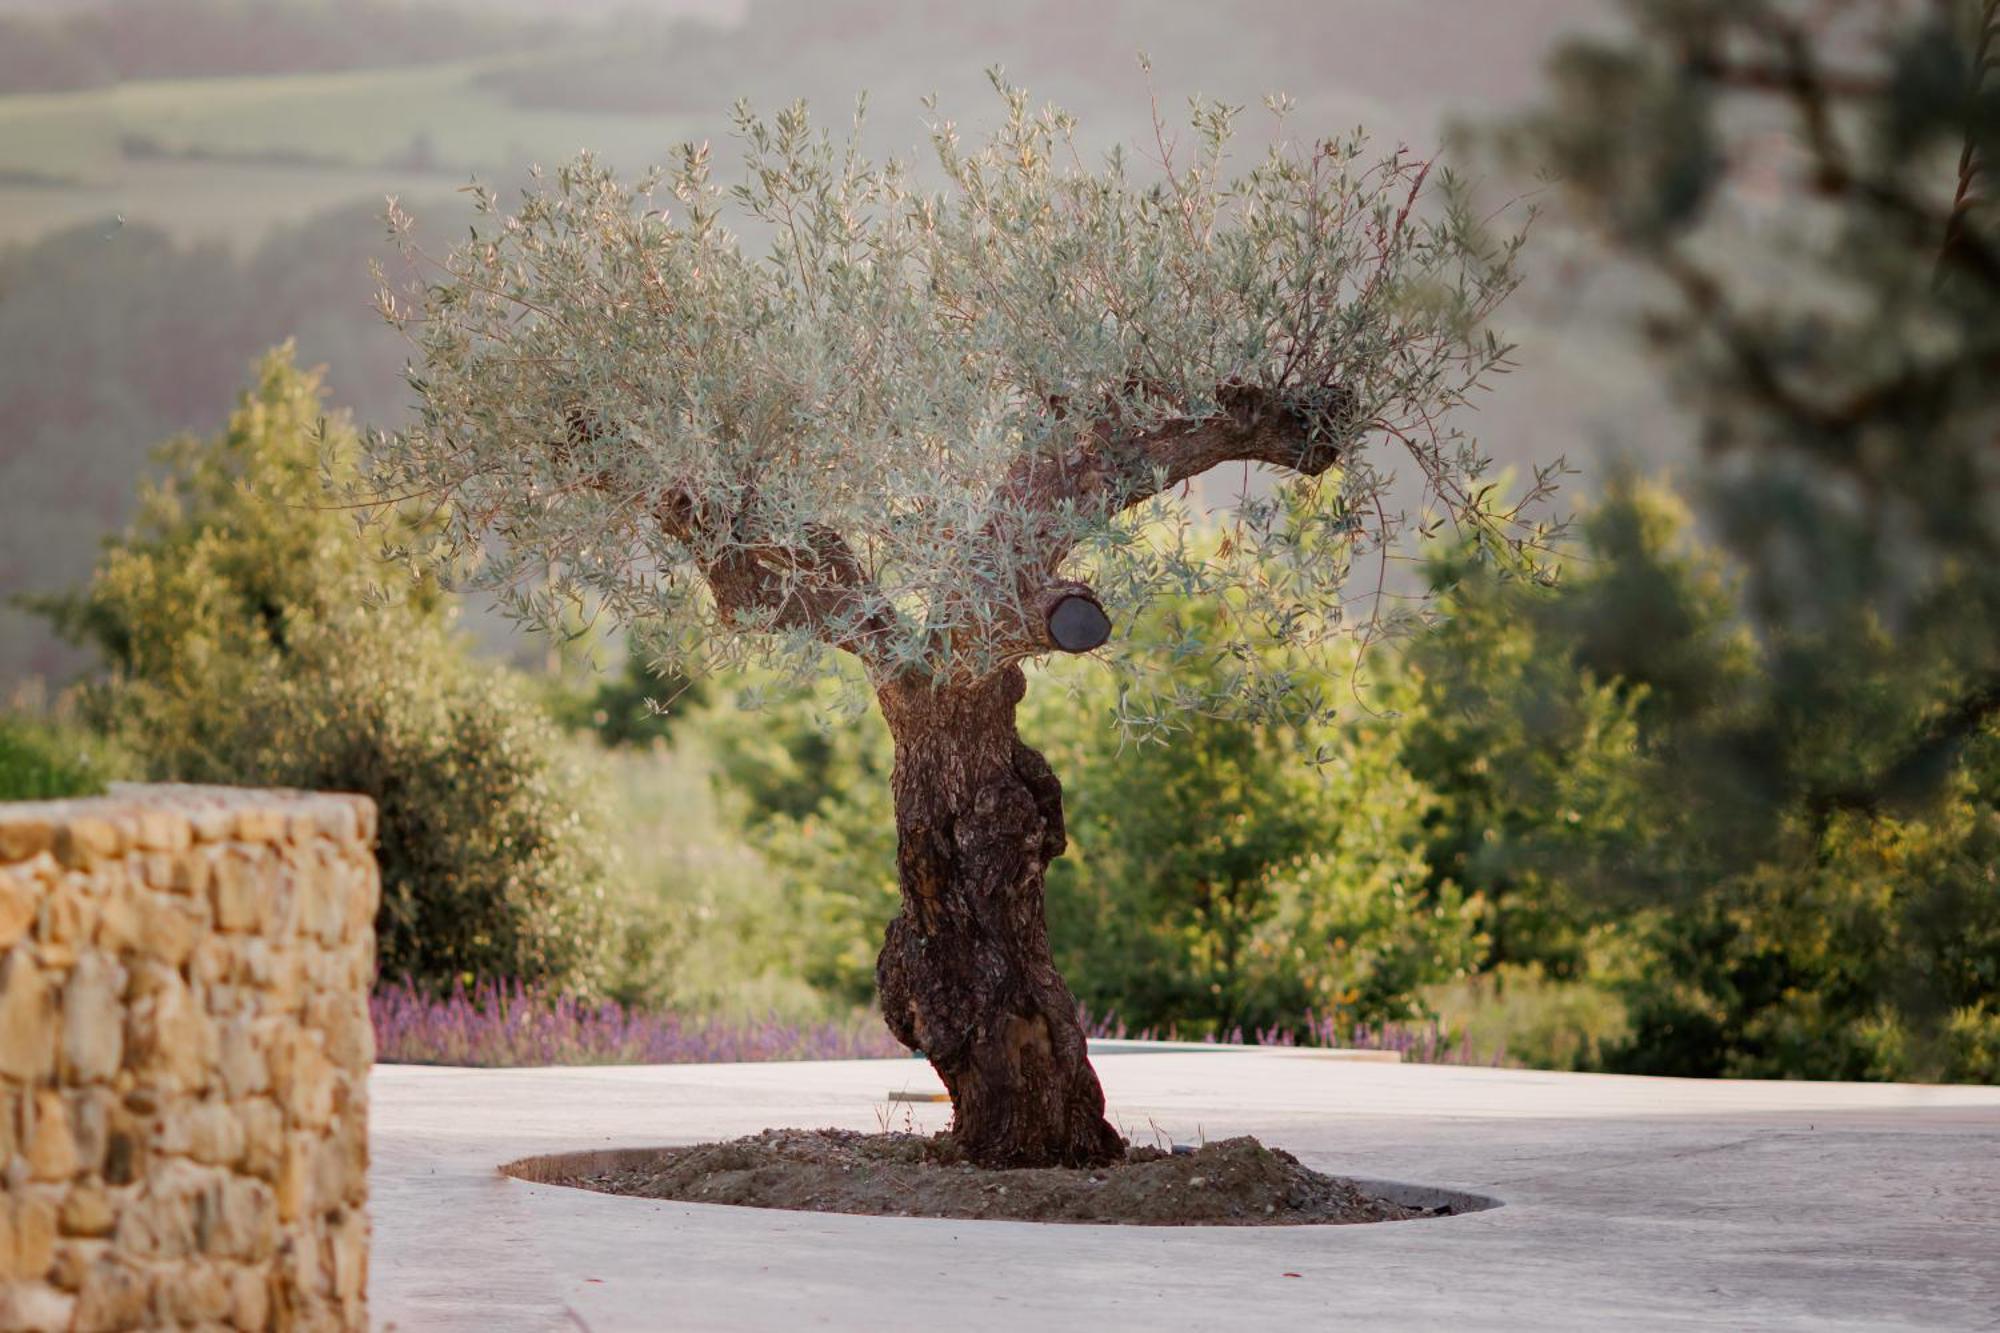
[{"x": 1232, "y": 1182}]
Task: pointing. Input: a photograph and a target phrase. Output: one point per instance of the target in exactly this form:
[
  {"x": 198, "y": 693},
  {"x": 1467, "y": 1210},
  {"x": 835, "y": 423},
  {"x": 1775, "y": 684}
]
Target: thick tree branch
[
  {"x": 1047, "y": 498},
  {"x": 1798, "y": 76},
  {"x": 1109, "y": 469},
  {"x": 817, "y": 586},
  {"x": 1959, "y": 239}
]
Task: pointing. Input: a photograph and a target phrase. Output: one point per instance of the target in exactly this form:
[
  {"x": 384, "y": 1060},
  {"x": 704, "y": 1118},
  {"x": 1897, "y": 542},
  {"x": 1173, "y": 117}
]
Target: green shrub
[
  {"x": 249, "y": 643},
  {"x": 1617, "y": 764},
  {"x": 1973, "y": 1043},
  {"x": 1869, "y": 950},
  {"x": 631, "y": 706},
  {"x": 811, "y": 794},
  {"x": 1218, "y": 877},
  {"x": 44, "y": 760},
  {"x": 489, "y": 869},
  {"x": 1531, "y": 1018}
]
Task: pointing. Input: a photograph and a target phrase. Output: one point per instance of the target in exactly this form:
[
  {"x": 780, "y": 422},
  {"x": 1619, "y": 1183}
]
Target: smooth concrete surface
[{"x": 1626, "y": 1203}]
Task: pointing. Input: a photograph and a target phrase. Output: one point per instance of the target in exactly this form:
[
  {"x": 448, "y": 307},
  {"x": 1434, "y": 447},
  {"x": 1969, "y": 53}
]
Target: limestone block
[
  {"x": 250, "y": 1298},
  {"x": 350, "y": 1035},
  {"x": 191, "y": 871},
  {"x": 115, "y": 1296},
  {"x": 17, "y": 906},
  {"x": 156, "y": 870},
  {"x": 263, "y": 1137},
  {"x": 336, "y": 819},
  {"x": 161, "y": 830},
  {"x": 212, "y": 823},
  {"x": 223, "y": 1000},
  {"x": 35, "y": 1305},
  {"x": 93, "y": 1033},
  {"x": 172, "y": 1041},
  {"x": 29, "y": 1246},
  {"x": 27, "y": 1017},
  {"x": 84, "y": 839},
  {"x": 363, "y": 895},
  {"x": 286, "y": 989},
  {"x": 194, "y": 1294},
  {"x": 75, "y": 1256},
  {"x": 302, "y": 1079},
  {"x": 24, "y": 835},
  {"x": 241, "y": 889},
  {"x": 50, "y": 1147},
  {"x": 214, "y": 1134},
  {"x": 86, "y": 1211},
  {"x": 246, "y": 1225},
  {"x": 169, "y": 929},
  {"x": 239, "y": 1060},
  {"x": 329, "y": 1173},
  {"x": 295, "y": 1164},
  {"x": 350, "y": 1258},
  {"x": 327, "y": 969},
  {"x": 364, "y": 813},
  {"x": 118, "y": 928},
  {"x": 160, "y": 1221},
  {"x": 350, "y": 1142},
  {"x": 213, "y": 961},
  {"x": 68, "y": 917},
  {"x": 260, "y": 824}
]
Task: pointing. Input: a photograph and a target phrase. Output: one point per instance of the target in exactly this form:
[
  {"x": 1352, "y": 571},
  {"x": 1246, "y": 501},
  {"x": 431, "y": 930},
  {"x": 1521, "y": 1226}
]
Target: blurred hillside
[{"x": 186, "y": 182}]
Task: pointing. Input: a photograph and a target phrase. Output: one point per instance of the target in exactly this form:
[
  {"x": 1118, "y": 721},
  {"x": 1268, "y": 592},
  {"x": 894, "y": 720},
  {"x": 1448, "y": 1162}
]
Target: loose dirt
[{"x": 1231, "y": 1182}]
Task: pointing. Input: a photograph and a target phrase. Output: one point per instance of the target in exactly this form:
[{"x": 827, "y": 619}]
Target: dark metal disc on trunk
[{"x": 1078, "y": 624}]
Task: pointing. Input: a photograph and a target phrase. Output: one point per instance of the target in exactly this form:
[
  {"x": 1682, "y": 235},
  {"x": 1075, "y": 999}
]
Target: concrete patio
[{"x": 1653, "y": 1203}]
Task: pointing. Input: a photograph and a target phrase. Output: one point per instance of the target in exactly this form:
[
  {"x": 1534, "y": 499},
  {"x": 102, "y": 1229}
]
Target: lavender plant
[
  {"x": 939, "y": 432},
  {"x": 508, "y": 1024}
]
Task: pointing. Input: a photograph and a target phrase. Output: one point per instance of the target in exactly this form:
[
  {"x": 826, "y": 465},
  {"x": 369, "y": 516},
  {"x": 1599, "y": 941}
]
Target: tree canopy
[
  {"x": 919, "y": 419},
  {"x": 1804, "y": 188}
]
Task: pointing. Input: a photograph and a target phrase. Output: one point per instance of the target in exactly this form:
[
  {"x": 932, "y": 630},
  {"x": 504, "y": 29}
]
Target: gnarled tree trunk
[{"x": 965, "y": 974}]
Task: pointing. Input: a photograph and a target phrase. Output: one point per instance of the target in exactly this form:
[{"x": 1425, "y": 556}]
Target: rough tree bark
[{"x": 965, "y": 973}]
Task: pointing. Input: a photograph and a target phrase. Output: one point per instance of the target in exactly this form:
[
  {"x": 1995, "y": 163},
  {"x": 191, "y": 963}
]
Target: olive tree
[{"x": 941, "y": 426}]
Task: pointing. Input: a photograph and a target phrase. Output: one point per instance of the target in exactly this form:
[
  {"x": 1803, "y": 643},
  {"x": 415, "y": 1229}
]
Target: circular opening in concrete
[{"x": 1230, "y": 1182}]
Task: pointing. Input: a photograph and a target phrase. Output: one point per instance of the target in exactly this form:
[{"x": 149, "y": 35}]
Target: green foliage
[
  {"x": 1585, "y": 743},
  {"x": 250, "y": 644},
  {"x": 632, "y": 706},
  {"x": 812, "y": 795},
  {"x": 1870, "y": 950},
  {"x": 1834, "y": 318},
  {"x": 1217, "y": 880},
  {"x": 1530, "y": 1018},
  {"x": 491, "y": 857},
  {"x": 1537, "y": 718},
  {"x": 43, "y": 759}
]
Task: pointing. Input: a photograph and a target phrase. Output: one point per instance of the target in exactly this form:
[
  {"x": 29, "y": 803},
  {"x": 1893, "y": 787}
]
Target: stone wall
[{"x": 184, "y": 1051}]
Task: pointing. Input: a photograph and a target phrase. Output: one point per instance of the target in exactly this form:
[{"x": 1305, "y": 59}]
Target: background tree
[
  {"x": 1805, "y": 189},
  {"x": 1803, "y": 185},
  {"x": 250, "y": 640},
  {"x": 945, "y": 432}
]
